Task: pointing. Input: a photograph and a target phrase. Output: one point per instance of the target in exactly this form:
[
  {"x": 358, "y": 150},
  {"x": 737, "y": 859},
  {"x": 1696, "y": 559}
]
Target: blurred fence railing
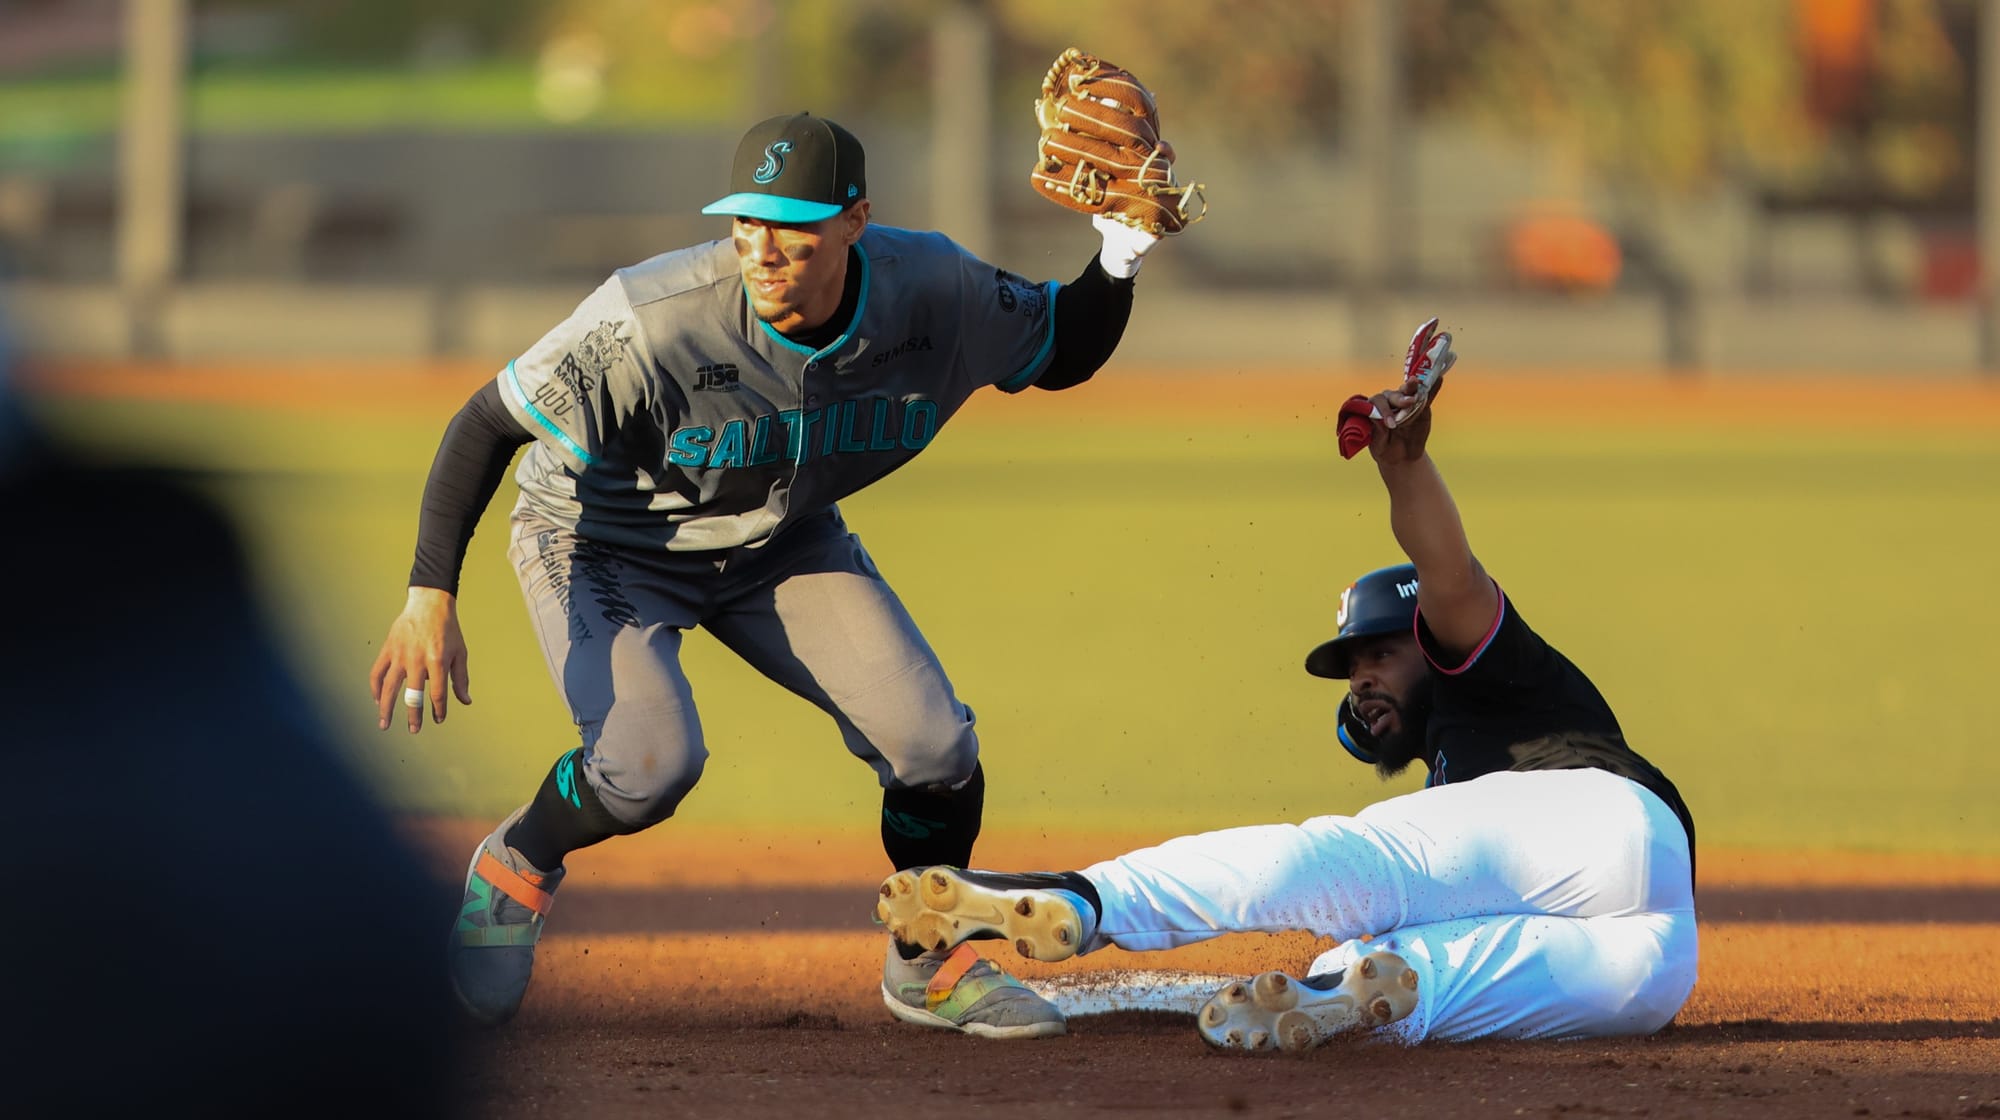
[{"x": 1173, "y": 327}]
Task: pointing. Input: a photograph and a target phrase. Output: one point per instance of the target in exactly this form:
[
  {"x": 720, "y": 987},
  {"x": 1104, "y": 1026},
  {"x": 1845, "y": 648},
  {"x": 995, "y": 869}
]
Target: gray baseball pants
[{"x": 807, "y": 609}]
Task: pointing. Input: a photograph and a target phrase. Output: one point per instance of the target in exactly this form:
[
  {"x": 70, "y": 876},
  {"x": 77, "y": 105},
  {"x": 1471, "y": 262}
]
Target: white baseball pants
[{"x": 1544, "y": 904}]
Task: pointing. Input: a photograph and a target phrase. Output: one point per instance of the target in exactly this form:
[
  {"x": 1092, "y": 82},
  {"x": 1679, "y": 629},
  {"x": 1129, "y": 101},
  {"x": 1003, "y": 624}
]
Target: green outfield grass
[
  {"x": 1797, "y": 628},
  {"x": 297, "y": 98}
]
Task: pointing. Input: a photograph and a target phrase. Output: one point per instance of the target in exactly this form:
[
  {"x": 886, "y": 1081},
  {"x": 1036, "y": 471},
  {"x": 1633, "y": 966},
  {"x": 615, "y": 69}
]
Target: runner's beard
[{"x": 1405, "y": 743}]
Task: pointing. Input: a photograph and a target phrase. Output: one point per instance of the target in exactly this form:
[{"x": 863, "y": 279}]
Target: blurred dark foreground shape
[{"x": 209, "y": 914}]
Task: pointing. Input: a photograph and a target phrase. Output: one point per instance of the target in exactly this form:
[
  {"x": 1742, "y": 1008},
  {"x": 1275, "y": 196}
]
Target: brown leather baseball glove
[{"x": 1101, "y": 151}]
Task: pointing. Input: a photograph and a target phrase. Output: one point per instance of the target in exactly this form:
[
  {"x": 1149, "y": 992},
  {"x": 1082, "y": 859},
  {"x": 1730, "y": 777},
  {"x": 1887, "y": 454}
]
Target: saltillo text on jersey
[
  {"x": 667, "y": 415},
  {"x": 874, "y": 424}
]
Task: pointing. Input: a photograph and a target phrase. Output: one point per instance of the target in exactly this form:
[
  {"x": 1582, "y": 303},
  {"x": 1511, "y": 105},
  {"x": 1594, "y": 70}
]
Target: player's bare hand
[
  {"x": 423, "y": 651},
  {"x": 1405, "y": 428}
]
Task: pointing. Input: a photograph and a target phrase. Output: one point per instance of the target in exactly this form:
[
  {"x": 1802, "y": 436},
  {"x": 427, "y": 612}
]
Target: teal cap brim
[{"x": 771, "y": 208}]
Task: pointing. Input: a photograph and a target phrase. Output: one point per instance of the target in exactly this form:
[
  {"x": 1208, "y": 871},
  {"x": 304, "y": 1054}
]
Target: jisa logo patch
[{"x": 717, "y": 377}]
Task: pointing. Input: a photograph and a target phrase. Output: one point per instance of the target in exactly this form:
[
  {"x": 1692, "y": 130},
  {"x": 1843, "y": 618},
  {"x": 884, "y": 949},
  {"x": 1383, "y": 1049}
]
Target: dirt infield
[{"x": 692, "y": 972}]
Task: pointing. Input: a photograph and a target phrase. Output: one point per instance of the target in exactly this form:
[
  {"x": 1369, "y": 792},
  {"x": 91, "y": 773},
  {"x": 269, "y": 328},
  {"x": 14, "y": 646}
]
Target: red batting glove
[
  {"x": 1428, "y": 359},
  {"x": 1356, "y": 427}
]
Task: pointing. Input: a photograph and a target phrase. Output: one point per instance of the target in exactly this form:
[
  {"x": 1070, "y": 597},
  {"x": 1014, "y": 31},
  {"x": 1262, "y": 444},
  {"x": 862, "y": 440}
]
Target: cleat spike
[
  {"x": 1367, "y": 968},
  {"x": 1299, "y": 1036},
  {"x": 1272, "y": 991}
]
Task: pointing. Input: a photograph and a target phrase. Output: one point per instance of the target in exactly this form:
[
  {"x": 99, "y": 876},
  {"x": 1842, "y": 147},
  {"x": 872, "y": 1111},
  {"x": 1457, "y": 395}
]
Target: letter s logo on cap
[{"x": 774, "y": 162}]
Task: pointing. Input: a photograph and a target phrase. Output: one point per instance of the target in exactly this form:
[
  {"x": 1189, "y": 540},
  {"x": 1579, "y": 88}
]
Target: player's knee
[
  {"x": 646, "y": 794},
  {"x": 938, "y": 753}
]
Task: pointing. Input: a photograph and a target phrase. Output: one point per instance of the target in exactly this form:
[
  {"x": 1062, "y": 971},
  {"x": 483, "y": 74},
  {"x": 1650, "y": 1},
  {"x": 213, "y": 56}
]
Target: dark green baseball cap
[{"x": 794, "y": 168}]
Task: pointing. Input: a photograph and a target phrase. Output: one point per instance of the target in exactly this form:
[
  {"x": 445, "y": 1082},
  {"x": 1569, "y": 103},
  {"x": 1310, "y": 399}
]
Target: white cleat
[
  {"x": 938, "y": 908},
  {"x": 1273, "y": 1011}
]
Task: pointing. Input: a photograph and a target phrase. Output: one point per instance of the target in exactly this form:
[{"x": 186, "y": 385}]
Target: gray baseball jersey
[{"x": 667, "y": 415}]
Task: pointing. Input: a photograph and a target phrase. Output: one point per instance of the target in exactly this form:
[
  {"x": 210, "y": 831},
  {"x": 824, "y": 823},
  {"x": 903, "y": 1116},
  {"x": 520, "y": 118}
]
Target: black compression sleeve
[
  {"x": 473, "y": 456},
  {"x": 1090, "y": 319}
]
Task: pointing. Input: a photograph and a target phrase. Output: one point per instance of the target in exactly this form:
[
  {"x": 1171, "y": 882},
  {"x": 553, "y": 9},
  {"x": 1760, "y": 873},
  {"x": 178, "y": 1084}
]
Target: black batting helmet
[{"x": 1382, "y": 602}]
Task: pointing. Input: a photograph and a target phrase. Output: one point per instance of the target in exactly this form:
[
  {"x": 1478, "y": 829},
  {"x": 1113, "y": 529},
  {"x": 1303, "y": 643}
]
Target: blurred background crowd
[{"x": 1669, "y": 183}]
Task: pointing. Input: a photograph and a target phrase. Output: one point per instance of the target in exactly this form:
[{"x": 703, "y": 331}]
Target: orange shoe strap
[
  {"x": 520, "y": 888},
  {"x": 952, "y": 971}
]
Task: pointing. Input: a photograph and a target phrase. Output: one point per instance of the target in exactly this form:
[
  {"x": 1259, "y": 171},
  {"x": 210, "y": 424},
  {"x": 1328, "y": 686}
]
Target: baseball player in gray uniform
[{"x": 690, "y": 428}]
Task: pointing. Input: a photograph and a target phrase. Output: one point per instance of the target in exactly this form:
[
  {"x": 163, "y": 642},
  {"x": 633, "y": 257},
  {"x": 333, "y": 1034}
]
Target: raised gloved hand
[
  {"x": 1426, "y": 362},
  {"x": 1101, "y": 153},
  {"x": 1424, "y": 366}
]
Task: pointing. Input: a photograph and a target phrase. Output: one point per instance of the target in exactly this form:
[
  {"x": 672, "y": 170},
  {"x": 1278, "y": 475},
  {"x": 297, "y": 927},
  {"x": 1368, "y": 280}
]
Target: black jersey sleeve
[
  {"x": 1091, "y": 314},
  {"x": 471, "y": 459},
  {"x": 1511, "y": 658}
]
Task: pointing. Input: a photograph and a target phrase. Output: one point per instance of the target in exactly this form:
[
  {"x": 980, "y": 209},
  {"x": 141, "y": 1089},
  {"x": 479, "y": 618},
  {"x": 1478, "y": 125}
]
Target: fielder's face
[
  {"x": 794, "y": 272},
  {"x": 1391, "y": 685}
]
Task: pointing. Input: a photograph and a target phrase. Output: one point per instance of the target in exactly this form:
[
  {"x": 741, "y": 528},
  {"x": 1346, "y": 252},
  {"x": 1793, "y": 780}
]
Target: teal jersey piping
[
  {"x": 860, "y": 305},
  {"x": 548, "y": 425},
  {"x": 1033, "y": 369}
]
